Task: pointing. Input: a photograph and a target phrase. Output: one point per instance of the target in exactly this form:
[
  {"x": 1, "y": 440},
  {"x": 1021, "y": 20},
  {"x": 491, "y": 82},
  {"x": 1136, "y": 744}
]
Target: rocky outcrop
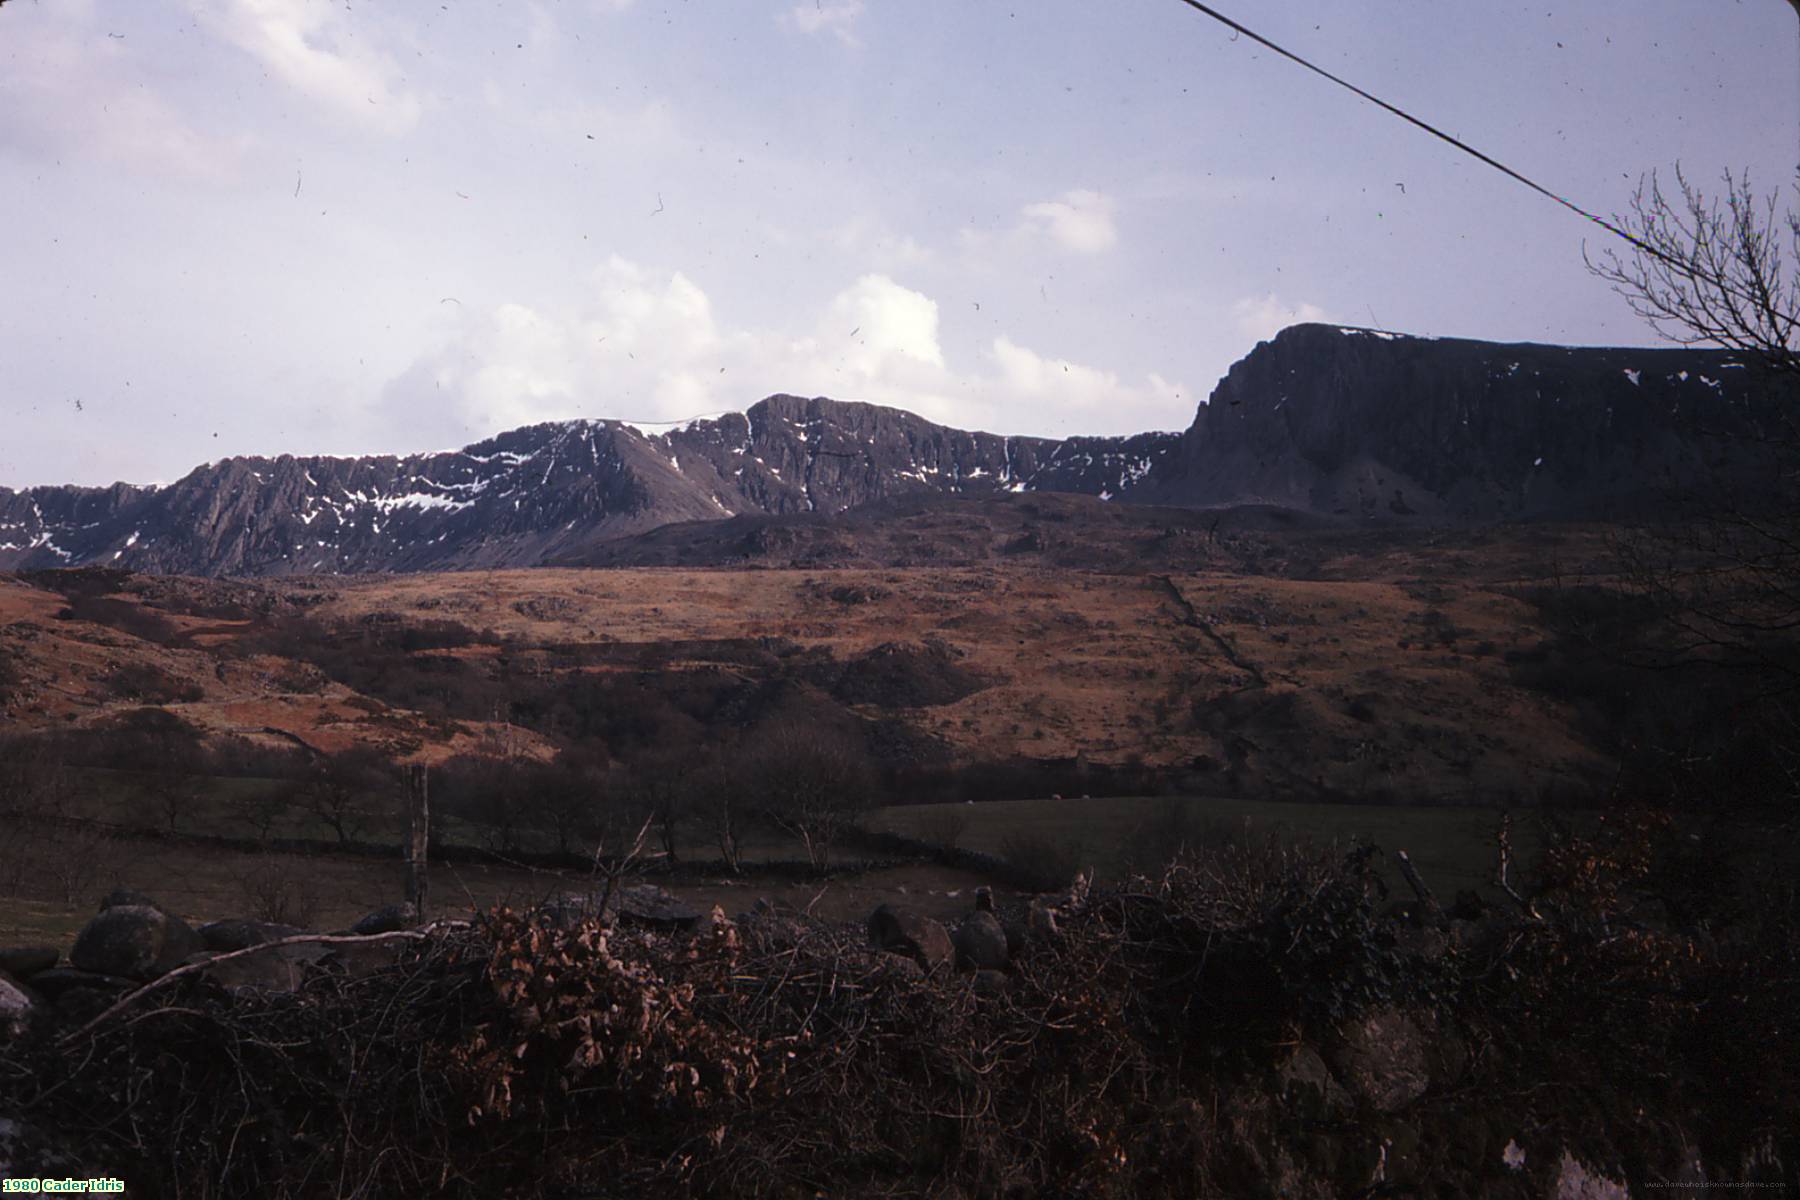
[
  {"x": 1367, "y": 424},
  {"x": 543, "y": 493}
]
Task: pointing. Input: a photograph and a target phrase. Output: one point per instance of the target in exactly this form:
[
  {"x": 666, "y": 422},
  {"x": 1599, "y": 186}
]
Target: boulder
[
  {"x": 990, "y": 983},
  {"x": 133, "y": 940},
  {"x": 566, "y": 912},
  {"x": 18, "y": 1004},
  {"x": 266, "y": 968},
  {"x": 387, "y": 919},
  {"x": 981, "y": 942},
  {"x": 58, "y": 982},
  {"x": 900, "y": 930},
  {"x": 1017, "y": 936},
  {"x": 239, "y": 934},
  {"x": 655, "y": 908},
  {"x": 22, "y": 962},
  {"x": 1306, "y": 1085},
  {"x": 1385, "y": 1059},
  {"x": 121, "y": 897},
  {"x": 359, "y": 961}
]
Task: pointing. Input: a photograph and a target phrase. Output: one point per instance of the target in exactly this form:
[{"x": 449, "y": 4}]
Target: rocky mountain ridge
[
  {"x": 1337, "y": 422},
  {"x": 543, "y": 492}
]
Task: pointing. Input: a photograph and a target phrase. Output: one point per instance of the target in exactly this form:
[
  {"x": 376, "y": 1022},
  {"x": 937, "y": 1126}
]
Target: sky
[{"x": 343, "y": 227}]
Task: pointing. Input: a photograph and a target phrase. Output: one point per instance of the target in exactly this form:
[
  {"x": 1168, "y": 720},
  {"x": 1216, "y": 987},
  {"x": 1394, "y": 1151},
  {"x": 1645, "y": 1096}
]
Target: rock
[
  {"x": 239, "y": 934},
  {"x": 18, "y": 1005},
  {"x": 1367, "y": 425},
  {"x": 1306, "y": 1085},
  {"x": 22, "y": 962},
  {"x": 121, "y": 897},
  {"x": 1422, "y": 942},
  {"x": 900, "y": 930},
  {"x": 655, "y": 908},
  {"x": 1017, "y": 935},
  {"x": 359, "y": 961},
  {"x": 59, "y": 981},
  {"x": 1040, "y": 921},
  {"x": 991, "y": 983},
  {"x": 133, "y": 940},
  {"x": 387, "y": 919},
  {"x": 267, "y": 968},
  {"x": 75, "y": 995},
  {"x": 1576, "y": 1181},
  {"x": 1385, "y": 1059},
  {"x": 984, "y": 899},
  {"x": 903, "y": 968},
  {"x": 568, "y": 911},
  {"x": 981, "y": 942}
]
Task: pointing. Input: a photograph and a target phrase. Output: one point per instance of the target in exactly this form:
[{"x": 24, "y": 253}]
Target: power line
[{"x": 1435, "y": 132}]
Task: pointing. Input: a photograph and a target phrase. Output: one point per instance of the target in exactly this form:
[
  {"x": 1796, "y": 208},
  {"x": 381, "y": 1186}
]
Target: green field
[{"x": 1452, "y": 847}]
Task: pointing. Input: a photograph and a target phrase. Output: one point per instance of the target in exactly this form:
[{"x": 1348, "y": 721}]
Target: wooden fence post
[{"x": 418, "y": 838}]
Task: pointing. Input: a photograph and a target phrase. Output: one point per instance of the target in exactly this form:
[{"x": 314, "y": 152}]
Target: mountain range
[{"x": 1346, "y": 424}]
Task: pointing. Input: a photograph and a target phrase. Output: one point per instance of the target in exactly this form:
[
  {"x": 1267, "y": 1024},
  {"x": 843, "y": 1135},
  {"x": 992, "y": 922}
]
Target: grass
[{"x": 1452, "y": 847}]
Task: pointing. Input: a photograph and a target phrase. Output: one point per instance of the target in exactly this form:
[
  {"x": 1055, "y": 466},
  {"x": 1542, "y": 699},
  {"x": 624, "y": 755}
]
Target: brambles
[{"x": 1146, "y": 1044}]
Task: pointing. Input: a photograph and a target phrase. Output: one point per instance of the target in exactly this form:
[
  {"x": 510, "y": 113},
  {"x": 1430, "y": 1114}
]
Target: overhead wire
[{"x": 1611, "y": 227}]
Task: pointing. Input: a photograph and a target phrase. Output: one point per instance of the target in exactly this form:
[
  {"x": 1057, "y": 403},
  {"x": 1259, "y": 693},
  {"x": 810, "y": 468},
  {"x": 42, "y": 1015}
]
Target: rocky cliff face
[
  {"x": 544, "y": 492},
  {"x": 1373, "y": 425}
]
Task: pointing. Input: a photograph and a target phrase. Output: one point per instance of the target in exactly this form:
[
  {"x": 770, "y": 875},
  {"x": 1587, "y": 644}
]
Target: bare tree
[
  {"x": 717, "y": 804},
  {"x": 338, "y": 788},
  {"x": 36, "y": 791},
  {"x": 661, "y": 787},
  {"x": 809, "y": 782},
  {"x": 1721, "y": 568},
  {"x": 1712, "y": 269},
  {"x": 173, "y": 783},
  {"x": 569, "y": 801}
]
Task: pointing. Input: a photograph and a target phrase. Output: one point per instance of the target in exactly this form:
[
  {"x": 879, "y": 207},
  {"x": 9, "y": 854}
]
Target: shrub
[
  {"x": 148, "y": 683},
  {"x": 279, "y": 889}
]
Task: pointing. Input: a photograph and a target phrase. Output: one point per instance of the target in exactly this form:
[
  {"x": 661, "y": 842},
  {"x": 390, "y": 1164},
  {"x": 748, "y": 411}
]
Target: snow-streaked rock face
[
  {"x": 1345, "y": 422},
  {"x": 541, "y": 492}
]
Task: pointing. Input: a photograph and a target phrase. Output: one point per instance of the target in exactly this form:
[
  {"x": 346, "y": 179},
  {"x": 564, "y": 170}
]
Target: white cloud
[
  {"x": 648, "y": 347},
  {"x": 884, "y": 321},
  {"x": 1259, "y": 318},
  {"x": 1080, "y": 220},
  {"x": 1082, "y": 392},
  {"x": 312, "y": 46},
  {"x": 839, "y": 19},
  {"x": 71, "y": 89}
]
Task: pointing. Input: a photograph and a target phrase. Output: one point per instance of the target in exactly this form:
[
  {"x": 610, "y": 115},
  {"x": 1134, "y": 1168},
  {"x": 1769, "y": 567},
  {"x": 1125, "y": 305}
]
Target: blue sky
[{"x": 266, "y": 226}]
